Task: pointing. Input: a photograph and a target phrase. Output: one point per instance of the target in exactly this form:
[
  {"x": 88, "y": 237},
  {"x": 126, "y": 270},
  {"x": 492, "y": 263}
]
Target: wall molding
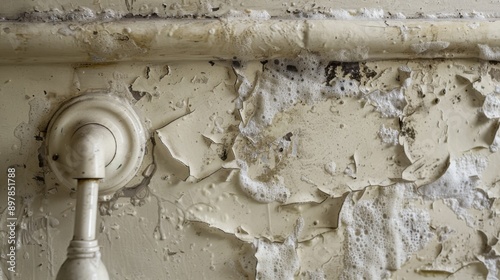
[{"x": 246, "y": 39}]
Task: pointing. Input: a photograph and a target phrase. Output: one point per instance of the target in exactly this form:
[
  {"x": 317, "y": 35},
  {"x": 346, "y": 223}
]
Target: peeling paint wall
[{"x": 305, "y": 168}]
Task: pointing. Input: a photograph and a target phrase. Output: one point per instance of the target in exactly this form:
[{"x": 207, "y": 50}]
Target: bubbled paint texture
[{"x": 300, "y": 168}]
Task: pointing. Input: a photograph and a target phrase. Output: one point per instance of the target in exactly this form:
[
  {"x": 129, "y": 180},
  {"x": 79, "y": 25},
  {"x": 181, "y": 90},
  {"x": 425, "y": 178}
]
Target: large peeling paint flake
[
  {"x": 201, "y": 158},
  {"x": 207, "y": 124}
]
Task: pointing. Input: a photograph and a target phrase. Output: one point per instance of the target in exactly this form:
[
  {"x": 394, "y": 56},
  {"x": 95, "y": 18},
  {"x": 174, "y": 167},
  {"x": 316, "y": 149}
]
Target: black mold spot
[
  {"x": 39, "y": 179},
  {"x": 236, "y": 63},
  {"x": 264, "y": 62},
  {"x": 408, "y": 131},
  {"x": 288, "y": 136},
  {"x": 348, "y": 68},
  {"x": 456, "y": 99},
  {"x": 420, "y": 94},
  {"x": 55, "y": 157},
  {"x": 211, "y": 63},
  {"x": 291, "y": 68},
  {"x": 41, "y": 161},
  {"x": 223, "y": 156},
  {"x": 369, "y": 73}
]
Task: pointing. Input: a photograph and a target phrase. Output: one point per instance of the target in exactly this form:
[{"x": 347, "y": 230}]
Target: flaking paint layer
[{"x": 299, "y": 163}]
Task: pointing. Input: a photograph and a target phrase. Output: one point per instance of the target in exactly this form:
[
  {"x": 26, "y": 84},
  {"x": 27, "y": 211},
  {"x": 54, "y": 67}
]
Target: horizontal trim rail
[{"x": 246, "y": 39}]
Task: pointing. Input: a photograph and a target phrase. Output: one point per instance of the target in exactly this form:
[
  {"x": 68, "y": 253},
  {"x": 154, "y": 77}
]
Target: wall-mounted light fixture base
[{"x": 124, "y": 150}]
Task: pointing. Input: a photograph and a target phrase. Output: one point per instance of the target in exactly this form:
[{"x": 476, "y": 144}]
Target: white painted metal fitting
[
  {"x": 83, "y": 262},
  {"x": 107, "y": 126},
  {"x": 93, "y": 147}
]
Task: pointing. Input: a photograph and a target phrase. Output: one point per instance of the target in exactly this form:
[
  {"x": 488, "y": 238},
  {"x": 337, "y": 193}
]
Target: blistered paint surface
[
  {"x": 304, "y": 168},
  {"x": 376, "y": 169},
  {"x": 110, "y": 9}
]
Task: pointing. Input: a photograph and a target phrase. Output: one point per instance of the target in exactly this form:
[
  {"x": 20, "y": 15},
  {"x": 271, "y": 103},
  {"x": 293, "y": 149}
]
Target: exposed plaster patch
[
  {"x": 281, "y": 85},
  {"x": 388, "y": 135},
  {"x": 81, "y": 14},
  {"x": 278, "y": 260},
  {"x": 284, "y": 83},
  {"x": 253, "y": 14},
  {"x": 247, "y": 261},
  {"x": 491, "y": 105},
  {"x": 315, "y": 275},
  {"x": 429, "y": 47},
  {"x": 389, "y": 104},
  {"x": 264, "y": 192},
  {"x": 105, "y": 45},
  {"x": 381, "y": 231},
  {"x": 487, "y": 52},
  {"x": 492, "y": 263},
  {"x": 460, "y": 182}
]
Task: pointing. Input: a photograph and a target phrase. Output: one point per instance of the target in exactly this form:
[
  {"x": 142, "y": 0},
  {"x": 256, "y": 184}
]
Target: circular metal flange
[{"x": 110, "y": 112}]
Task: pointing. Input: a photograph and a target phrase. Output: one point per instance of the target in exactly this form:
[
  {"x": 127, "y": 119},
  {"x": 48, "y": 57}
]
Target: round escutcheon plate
[{"x": 114, "y": 114}]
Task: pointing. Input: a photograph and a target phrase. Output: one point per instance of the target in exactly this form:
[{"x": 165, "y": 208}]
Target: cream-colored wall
[{"x": 259, "y": 174}]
